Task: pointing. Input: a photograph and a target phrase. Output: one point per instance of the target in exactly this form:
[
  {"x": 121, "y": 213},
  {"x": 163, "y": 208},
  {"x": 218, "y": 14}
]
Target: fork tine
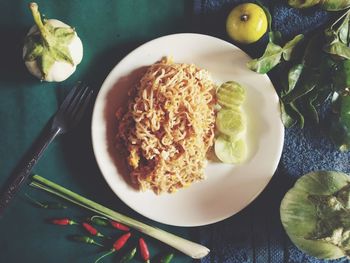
[
  {"x": 84, "y": 105},
  {"x": 75, "y": 100},
  {"x": 68, "y": 98},
  {"x": 79, "y": 103}
]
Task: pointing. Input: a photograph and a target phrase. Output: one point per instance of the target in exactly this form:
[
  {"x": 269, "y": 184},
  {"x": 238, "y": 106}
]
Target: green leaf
[
  {"x": 329, "y": 5},
  {"x": 287, "y": 115},
  {"x": 340, "y": 128},
  {"x": 337, "y": 39},
  {"x": 299, "y": 115},
  {"x": 310, "y": 108},
  {"x": 268, "y": 61},
  {"x": 344, "y": 33},
  {"x": 275, "y": 37},
  {"x": 341, "y": 76},
  {"x": 273, "y": 53},
  {"x": 343, "y": 30},
  {"x": 294, "y": 75},
  {"x": 338, "y": 49},
  {"x": 289, "y": 46},
  {"x": 303, "y": 3},
  {"x": 308, "y": 83},
  {"x": 335, "y": 5}
]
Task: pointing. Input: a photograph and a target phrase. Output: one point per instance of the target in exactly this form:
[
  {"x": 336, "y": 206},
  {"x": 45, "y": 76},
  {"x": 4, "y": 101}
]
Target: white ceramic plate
[{"x": 227, "y": 189}]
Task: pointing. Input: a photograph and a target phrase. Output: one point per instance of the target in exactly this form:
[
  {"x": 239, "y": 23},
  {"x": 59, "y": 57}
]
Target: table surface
[{"x": 109, "y": 30}]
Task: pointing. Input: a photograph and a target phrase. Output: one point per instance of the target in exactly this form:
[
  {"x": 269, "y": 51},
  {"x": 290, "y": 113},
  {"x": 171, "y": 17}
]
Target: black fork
[{"x": 67, "y": 116}]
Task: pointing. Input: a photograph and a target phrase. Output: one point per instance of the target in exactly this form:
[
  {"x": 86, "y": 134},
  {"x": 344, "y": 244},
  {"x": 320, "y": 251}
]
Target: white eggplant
[
  {"x": 316, "y": 214},
  {"x": 52, "y": 49}
]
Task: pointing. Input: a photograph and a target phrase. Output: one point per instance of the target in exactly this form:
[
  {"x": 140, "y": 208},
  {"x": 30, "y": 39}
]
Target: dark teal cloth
[{"x": 109, "y": 30}]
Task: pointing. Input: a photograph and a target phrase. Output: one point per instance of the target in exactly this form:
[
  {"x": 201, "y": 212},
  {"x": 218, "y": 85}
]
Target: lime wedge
[
  {"x": 231, "y": 123},
  {"x": 230, "y": 151},
  {"x": 231, "y": 94}
]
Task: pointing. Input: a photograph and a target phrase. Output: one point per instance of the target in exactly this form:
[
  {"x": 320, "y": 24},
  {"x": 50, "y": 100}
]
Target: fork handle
[{"x": 23, "y": 170}]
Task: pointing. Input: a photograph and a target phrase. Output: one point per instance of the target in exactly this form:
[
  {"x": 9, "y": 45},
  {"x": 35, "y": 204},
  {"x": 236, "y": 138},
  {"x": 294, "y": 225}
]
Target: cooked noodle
[{"x": 169, "y": 126}]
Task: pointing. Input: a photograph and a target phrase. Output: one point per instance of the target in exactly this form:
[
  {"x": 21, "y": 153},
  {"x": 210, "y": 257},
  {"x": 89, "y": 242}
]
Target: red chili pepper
[
  {"x": 63, "y": 222},
  {"x": 119, "y": 226},
  {"x": 118, "y": 244},
  {"x": 93, "y": 231},
  {"x": 121, "y": 241},
  {"x": 144, "y": 250}
]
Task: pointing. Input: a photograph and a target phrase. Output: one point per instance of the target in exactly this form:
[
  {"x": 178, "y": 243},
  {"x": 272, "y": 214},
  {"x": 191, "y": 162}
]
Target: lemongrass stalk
[{"x": 187, "y": 247}]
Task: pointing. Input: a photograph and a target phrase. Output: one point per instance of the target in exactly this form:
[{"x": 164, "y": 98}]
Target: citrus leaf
[
  {"x": 308, "y": 83},
  {"x": 340, "y": 128},
  {"x": 270, "y": 58},
  {"x": 287, "y": 115},
  {"x": 303, "y": 3},
  {"x": 290, "y": 45},
  {"x": 310, "y": 108},
  {"x": 338, "y": 48},
  {"x": 299, "y": 115},
  {"x": 335, "y": 5},
  {"x": 343, "y": 30},
  {"x": 294, "y": 76}
]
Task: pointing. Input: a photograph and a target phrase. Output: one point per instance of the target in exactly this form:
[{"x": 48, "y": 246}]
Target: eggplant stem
[{"x": 39, "y": 23}]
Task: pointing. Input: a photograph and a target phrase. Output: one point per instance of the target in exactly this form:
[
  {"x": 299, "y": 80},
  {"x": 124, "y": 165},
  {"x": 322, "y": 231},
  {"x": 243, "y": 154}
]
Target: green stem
[
  {"x": 105, "y": 255},
  {"x": 39, "y": 23},
  {"x": 129, "y": 256},
  {"x": 340, "y": 18},
  {"x": 189, "y": 248},
  {"x": 85, "y": 239},
  {"x": 102, "y": 218},
  {"x": 97, "y": 244},
  {"x": 35, "y": 201}
]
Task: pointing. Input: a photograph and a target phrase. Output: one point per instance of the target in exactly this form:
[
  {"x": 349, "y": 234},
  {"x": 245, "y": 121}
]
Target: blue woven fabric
[{"x": 256, "y": 235}]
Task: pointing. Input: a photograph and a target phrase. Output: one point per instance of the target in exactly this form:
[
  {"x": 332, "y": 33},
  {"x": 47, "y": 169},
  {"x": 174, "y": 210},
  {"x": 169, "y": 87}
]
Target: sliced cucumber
[
  {"x": 231, "y": 94},
  {"x": 230, "y": 151},
  {"x": 230, "y": 123}
]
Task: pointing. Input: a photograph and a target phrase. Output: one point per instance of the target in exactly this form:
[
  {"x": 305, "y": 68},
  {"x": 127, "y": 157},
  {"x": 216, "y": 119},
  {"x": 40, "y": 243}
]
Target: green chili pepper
[
  {"x": 53, "y": 205},
  {"x": 46, "y": 205},
  {"x": 167, "y": 258},
  {"x": 99, "y": 220},
  {"x": 86, "y": 240},
  {"x": 128, "y": 256}
]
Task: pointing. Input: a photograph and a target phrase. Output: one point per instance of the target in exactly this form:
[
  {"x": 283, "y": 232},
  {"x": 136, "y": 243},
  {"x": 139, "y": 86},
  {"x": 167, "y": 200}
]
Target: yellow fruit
[{"x": 246, "y": 23}]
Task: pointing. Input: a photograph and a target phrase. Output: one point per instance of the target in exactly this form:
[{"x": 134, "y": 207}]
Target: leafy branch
[{"x": 312, "y": 70}]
